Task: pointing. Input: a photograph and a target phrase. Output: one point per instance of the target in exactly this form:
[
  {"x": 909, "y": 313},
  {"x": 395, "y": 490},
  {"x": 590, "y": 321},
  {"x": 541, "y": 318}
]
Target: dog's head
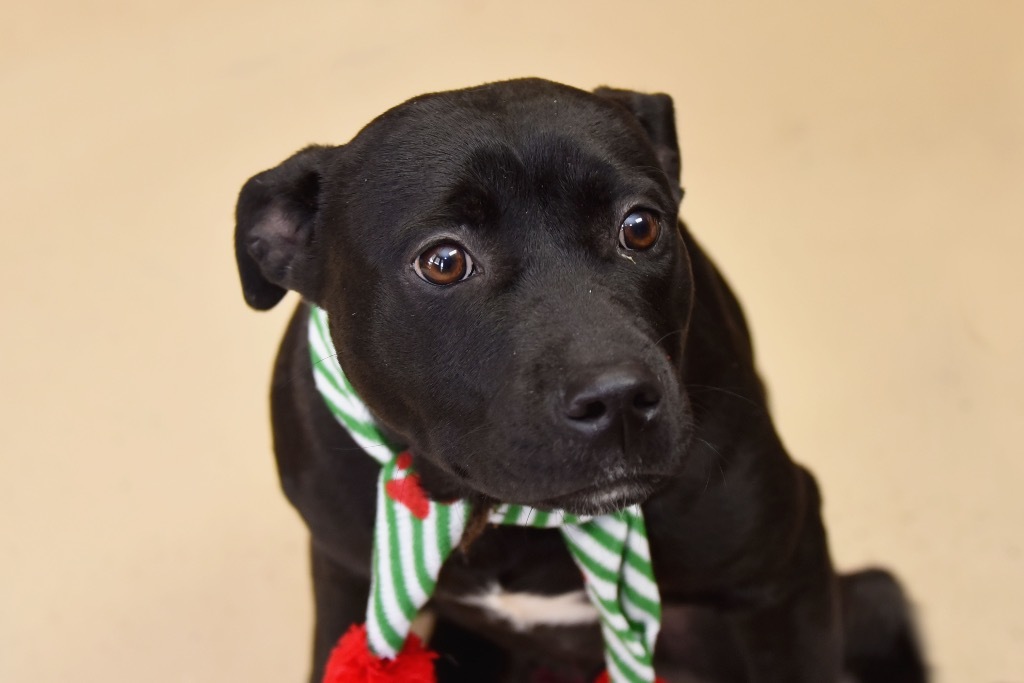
[{"x": 506, "y": 285}]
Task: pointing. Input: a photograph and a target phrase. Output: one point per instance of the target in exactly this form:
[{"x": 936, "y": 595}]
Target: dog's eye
[
  {"x": 444, "y": 264},
  {"x": 639, "y": 230}
]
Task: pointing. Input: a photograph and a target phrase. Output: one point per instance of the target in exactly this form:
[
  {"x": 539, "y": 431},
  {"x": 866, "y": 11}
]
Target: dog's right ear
[{"x": 275, "y": 221}]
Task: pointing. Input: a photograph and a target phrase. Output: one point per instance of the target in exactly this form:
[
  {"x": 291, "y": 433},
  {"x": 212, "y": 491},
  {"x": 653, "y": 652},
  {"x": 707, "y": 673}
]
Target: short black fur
[{"x": 481, "y": 380}]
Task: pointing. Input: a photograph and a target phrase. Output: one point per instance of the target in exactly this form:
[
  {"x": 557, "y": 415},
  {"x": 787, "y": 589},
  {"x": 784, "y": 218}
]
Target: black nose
[{"x": 625, "y": 396}]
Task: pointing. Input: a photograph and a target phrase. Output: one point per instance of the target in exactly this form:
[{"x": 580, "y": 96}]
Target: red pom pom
[
  {"x": 352, "y": 662},
  {"x": 603, "y": 678}
]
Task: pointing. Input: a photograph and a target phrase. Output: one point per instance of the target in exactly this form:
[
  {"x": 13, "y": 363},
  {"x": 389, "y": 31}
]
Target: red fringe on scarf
[{"x": 352, "y": 662}]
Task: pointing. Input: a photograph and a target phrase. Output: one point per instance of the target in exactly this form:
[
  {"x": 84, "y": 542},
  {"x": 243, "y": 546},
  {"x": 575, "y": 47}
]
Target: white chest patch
[{"x": 524, "y": 611}]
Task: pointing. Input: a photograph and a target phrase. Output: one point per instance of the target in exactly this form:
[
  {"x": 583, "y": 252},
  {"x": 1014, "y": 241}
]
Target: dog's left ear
[{"x": 657, "y": 116}]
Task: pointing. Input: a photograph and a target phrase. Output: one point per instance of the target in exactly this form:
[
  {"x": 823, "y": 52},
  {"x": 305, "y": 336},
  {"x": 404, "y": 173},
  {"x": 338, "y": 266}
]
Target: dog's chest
[
  {"x": 525, "y": 611},
  {"x": 519, "y": 579}
]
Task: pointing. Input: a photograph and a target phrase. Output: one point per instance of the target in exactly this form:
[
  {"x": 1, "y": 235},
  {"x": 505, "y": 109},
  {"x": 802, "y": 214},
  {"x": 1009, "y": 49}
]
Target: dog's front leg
[
  {"x": 793, "y": 632},
  {"x": 339, "y": 601}
]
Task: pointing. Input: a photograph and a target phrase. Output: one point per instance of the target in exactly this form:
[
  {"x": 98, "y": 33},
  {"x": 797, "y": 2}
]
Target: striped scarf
[{"x": 414, "y": 536}]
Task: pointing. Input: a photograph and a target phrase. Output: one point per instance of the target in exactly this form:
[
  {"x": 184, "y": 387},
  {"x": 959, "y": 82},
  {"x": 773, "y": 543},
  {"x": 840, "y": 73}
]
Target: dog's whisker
[
  {"x": 723, "y": 390},
  {"x": 707, "y": 478},
  {"x": 300, "y": 371},
  {"x": 667, "y": 335},
  {"x": 717, "y": 461}
]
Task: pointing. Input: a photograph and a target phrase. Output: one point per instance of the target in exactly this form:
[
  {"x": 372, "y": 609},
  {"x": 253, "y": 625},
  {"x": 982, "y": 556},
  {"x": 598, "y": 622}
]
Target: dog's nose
[{"x": 627, "y": 394}]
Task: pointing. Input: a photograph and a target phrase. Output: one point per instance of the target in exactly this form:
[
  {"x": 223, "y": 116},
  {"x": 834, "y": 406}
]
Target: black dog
[{"x": 512, "y": 295}]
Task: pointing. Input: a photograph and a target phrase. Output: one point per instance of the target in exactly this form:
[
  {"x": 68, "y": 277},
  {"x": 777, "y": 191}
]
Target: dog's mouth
[{"x": 606, "y": 497}]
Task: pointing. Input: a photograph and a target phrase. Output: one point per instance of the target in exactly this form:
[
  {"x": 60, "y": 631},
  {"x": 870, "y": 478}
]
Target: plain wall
[{"x": 856, "y": 168}]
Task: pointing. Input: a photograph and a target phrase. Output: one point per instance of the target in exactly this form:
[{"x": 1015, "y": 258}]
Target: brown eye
[
  {"x": 639, "y": 231},
  {"x": 444, "y": 264}
]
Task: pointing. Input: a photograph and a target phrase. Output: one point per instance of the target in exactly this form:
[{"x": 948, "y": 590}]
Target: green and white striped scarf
[{"x": 414, "y": 536}]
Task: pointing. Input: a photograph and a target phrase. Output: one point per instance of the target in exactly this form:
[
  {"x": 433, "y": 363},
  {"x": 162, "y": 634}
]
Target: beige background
[{"x": 857, "y": 168}]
